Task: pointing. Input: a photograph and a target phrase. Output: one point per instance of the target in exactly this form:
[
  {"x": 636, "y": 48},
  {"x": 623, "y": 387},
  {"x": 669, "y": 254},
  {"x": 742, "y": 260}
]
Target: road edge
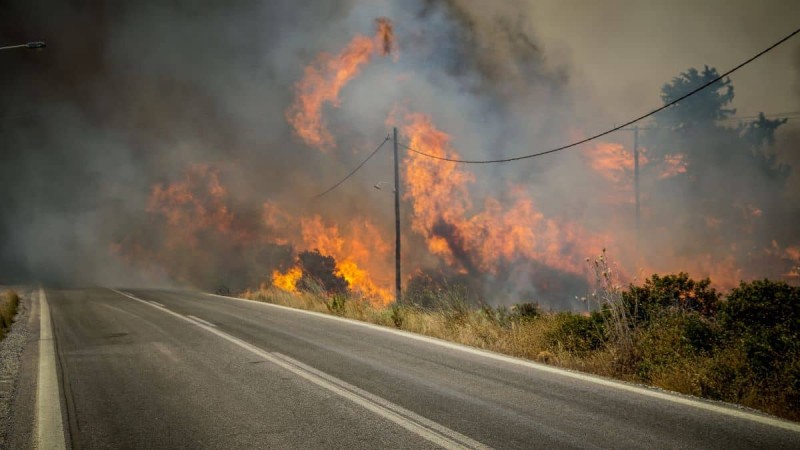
[
  {"x": 49, "y": 418},
  {"x": 727, "y": 409}
]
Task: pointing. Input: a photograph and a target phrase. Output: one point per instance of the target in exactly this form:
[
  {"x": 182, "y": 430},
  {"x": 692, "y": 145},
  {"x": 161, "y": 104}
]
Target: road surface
[{"x": 172, "y": 369}]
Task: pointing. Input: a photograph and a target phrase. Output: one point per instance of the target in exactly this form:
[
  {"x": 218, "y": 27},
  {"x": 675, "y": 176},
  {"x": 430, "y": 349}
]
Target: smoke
[{"x": 149, "y": 144}]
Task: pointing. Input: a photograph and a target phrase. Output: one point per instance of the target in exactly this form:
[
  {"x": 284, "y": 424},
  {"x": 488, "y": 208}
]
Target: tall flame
[
  {"x": 464, "y": 234},
  {"x": 324, "y": 79},
  {"x": 443, "y": 212}
]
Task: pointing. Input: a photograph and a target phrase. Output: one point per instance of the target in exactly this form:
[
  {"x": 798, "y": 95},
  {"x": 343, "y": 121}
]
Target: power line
[
  {"x": 631, "y": 122},
  {"x": 786, "y": 115},
  {"x": 353, "y": 171},
  {"x": 766, "y": 116}
]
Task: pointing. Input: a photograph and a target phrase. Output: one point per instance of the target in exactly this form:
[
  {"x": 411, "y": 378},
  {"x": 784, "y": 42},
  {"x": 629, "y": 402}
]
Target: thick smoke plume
[{"x": 182, "y": 143}]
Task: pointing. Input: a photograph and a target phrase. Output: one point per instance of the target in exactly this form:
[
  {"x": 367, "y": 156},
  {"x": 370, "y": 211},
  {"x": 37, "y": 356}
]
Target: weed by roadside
[
  {"x": 671, "y": 332},
  {"x": 9, "y": 303}
]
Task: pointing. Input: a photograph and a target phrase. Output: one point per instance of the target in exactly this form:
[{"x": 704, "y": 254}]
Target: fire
[
  {"x": 361, "y": 248},
  {"x": 616, "y": 165},
  {"x": 438, "y": 192},
  {"x": 360, "y": 251},
  {"x": 789, "y": 258},
  {"x": 614, "y": 162},
  {"x": 443, "y": 212},
  {"x": 385, "y": 35},
  {"x": 324, "y": 79},
  {"x": 194, "y": 204},
  {"x": 449, "y": 226},
  {"x": 190, "y": 234},
  {"x": 287, "y": 281},
  {"x": 675, "y": 164}
]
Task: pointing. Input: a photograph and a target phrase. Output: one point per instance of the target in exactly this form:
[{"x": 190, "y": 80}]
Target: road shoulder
[{"x": 19, "y": 423}]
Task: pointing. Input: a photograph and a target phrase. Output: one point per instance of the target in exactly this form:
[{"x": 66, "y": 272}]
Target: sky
[{"x": 623, "y": 51}]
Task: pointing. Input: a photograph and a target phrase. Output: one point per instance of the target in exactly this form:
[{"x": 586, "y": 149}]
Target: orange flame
[
  {"x": 192, "y": 205},
  {"x": 287, "y": 281},
  {"x": 360, "y": 251},
  {"x": 363, "y": 247},
  {"x": 675, "y": 164},
  {"x": 442, "y": 211},
  {"x": 385, "y": 35},
  {"x": 616, "y": 165},
  {"x": 613, "y": 161},
  {"x": 325, "y": 78}
]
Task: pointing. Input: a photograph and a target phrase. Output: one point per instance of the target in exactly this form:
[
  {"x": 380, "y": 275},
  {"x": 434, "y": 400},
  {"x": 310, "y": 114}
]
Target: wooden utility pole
[
  {"x": 636, "y": 176},
  {"x": 397, "y": 292}
]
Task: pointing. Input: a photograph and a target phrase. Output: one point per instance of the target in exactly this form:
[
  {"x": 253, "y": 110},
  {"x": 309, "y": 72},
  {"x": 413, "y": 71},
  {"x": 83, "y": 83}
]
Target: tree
[
  {"x": 715, "y": 182},
  {"x": 701, "y": 109}
]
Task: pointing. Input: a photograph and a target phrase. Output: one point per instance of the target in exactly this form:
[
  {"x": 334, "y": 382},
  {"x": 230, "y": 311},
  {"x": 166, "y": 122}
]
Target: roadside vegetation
[
  {"x": 671, "y": 332},
  {"x": 9, "y": 302}
]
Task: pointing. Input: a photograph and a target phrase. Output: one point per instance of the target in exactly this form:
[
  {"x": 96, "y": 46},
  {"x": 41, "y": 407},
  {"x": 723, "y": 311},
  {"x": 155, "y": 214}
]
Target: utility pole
[
  {"x": 397, "y": 292},
  {"x": 636, "y": 177}
]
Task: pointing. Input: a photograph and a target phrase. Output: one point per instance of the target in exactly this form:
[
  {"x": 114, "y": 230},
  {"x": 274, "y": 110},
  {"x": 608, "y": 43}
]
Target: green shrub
[
  {"x": 700, "y": 333},
  {"x": 764, "y": 316},
  {"x": 526, "y": 311},
  {"x": 336, "y": 304},
  {"x": 576, "y": 333},
  {"x": 397, "y": 315},
  {"x": 671, "y": 342},
  {"x": 659, "y": 294}
]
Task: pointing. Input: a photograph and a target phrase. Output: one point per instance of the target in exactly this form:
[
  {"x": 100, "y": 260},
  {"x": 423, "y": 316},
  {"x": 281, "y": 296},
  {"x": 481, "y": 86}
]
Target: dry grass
[
  {"x": 655, "y": 355},
  {"x": 9, "y": 302},
  {"x": 481, "y": 328}
]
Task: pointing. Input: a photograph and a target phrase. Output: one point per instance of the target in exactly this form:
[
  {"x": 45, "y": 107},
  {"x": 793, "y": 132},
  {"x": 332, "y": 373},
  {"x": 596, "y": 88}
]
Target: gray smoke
[{"x": 128, "y": 96}]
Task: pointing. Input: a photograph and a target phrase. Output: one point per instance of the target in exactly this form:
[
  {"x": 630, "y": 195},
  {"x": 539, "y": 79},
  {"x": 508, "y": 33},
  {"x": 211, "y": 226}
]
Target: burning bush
[{"x": 320, "y": 270}]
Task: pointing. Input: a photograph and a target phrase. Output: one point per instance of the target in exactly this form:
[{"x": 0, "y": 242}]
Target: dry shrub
[
  {"x": 731, "y": 351},
  {"x": 8, "y": 311}
]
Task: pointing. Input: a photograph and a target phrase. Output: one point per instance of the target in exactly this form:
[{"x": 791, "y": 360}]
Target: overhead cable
[
  {"x": 353, "y": 171},
  {"x": 628, "y": 123}
]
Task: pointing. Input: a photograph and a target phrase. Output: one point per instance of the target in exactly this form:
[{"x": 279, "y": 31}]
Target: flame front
[
  {"x": 361, "y": 252},
  {"x": 362, "y": 247},
  {"x": 324, "y": 79},
  {"x": 470, "y": 241},
  {"x": 453, "y": 230},
  {"x": 287, "y": 281}
]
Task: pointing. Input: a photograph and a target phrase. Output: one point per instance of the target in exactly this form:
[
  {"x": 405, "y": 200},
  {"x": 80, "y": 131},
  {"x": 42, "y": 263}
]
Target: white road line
[
  {"x": 454, "y": 435},
  {"x": 204, "y": 322},
  {"x": 674, "y": 398},
  {"x": 156, "y": 303},
  {"x": 49, "y": 427},
  {"x": 427, "y": 429}
]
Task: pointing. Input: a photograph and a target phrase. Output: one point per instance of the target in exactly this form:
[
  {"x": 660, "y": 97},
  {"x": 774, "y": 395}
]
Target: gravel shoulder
[{"x": 16, "y": 416}]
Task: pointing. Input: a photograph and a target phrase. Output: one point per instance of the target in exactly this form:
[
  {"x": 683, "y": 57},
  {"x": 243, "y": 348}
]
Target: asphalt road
[{"x": 167, "y": 369}]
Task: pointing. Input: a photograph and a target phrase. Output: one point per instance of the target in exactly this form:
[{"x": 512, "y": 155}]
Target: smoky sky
[
  {"x": 128, "y": 94},
  {"x": 124, "y": 96}
]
